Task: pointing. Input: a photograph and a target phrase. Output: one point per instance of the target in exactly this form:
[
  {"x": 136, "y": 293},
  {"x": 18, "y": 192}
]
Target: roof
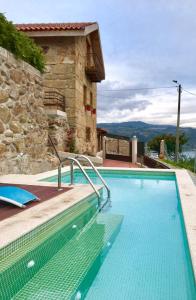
[
  {"x": 53, "y": 26},
  {"x": 101, "y": 130},
  {"x": 37, "y": 30}
]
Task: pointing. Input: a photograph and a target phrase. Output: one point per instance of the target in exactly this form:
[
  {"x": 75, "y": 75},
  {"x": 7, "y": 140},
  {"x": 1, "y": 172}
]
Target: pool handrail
[
  {"x": 73, "y": 160},
  {"x": 96, "y": 171}
]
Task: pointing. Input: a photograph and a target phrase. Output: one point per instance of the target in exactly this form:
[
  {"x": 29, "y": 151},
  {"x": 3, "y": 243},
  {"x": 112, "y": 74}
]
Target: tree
[{"x": 170, "y": 141}]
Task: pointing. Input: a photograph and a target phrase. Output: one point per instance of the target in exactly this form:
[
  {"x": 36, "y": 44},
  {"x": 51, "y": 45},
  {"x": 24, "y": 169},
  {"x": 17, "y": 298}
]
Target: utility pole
[{"x": 178, "y": 122}]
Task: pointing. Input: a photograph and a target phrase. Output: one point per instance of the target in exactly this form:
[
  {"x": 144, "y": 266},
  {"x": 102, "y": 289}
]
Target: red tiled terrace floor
[
  {"x": 47, "y": 192},
  {"x": 118, "y": 164},
  {"x": 42, "y": 192}
]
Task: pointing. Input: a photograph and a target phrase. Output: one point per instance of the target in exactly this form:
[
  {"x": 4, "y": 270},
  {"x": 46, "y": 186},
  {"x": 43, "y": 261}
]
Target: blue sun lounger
[{"x": 16, "y": 196}]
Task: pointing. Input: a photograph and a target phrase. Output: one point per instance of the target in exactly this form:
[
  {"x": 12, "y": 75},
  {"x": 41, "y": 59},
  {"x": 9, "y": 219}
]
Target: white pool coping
[
  {"x": 22, "y": 223},
  {"x": 187, "y": 193}
]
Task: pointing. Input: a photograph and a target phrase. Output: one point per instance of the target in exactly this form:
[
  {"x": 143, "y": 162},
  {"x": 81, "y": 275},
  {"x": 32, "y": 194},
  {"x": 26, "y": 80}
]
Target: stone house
[{"x": 74, "y": 64}]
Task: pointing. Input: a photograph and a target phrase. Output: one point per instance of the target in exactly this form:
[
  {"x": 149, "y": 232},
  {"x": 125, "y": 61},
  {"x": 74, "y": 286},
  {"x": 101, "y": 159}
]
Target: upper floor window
[
  {"x": 88, "y": 134},
  {"x": 84, "y": 95},
  {"x": 91, "y": 99}
]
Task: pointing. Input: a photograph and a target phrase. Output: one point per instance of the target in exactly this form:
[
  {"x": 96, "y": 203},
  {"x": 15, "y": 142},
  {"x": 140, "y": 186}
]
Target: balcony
[
  {"x": 54, "y": 100},
  {"x": 94, "y": 68}
]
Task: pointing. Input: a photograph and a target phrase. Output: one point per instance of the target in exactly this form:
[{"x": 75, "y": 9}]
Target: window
[
  {"x": 91, "y": 99},
  {"x": 84, "y": 95},
  {"x": 88, "y": 134},
  {"x": 45, "y": 49}
]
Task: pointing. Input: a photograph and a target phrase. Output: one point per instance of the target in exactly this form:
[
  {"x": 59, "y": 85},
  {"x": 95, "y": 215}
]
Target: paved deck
[
  {"x": 193, "y": 176},
  {"x": 42, "y": 192},
  {"x": 118, "y": 164}
]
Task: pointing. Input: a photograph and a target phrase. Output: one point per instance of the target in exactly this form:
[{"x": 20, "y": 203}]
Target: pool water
[
  {"x": 150, "y": 257},
  {"x": 136, "y": 249}
]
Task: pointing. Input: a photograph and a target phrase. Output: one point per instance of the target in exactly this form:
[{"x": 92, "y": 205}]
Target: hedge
[{"x": 20, "y": 44}]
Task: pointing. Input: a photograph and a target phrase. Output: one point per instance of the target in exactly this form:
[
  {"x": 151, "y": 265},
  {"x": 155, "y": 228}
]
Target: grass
[{"x": 184, "y": 162}]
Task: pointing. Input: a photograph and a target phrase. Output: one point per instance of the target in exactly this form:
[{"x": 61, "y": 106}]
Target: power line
[
  {"x": 189, "y": 92},
  {"x": 139, "y": 89},
  {"x": 113, "y": 97}
]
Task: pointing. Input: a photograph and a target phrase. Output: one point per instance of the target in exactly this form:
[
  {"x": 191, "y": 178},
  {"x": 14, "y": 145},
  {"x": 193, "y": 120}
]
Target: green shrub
[
  {"x": 170, "y": 141},
  {"x": 20, "y": 44}
]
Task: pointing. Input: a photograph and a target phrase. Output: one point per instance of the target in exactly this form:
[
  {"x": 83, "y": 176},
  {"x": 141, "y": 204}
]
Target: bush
[
  {"x": 20, "y": 44},
  {"x": 170, "y": 141}
]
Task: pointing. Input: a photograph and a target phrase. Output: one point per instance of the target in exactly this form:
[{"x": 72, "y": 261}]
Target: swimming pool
[{"x": 136, "y": 249}]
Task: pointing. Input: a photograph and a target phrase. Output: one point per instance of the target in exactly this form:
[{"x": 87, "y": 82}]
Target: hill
[{"x": 145, "y": 132}]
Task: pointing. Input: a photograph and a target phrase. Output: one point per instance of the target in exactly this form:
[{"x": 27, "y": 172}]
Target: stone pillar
[
  {"x": 134, "y": 149},
  {"x": 104, "y": 146},
  {"x": 162, "y": 149}
]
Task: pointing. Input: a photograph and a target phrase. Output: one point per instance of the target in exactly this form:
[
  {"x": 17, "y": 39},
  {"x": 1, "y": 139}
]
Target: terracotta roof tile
[{"x": 53, "y": 26}]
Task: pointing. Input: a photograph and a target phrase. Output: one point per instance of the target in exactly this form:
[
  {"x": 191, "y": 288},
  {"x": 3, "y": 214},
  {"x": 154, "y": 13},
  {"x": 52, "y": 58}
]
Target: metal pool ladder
[
  {"x": 81, "y": 156},
  {"x": 76, "y": 161}
]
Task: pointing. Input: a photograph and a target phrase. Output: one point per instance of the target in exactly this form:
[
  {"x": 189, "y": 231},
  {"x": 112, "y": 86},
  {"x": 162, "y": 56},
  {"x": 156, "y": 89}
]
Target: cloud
[
  {"x": 157, "y": 106},
  {"x": 145, "y": 44},
  {"x": 109, "y": 100},
  {"x": 121, "y": 104}
]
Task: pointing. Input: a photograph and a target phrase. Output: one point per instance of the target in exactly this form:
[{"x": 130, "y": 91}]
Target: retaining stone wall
[{"x": 23, "y": 120}]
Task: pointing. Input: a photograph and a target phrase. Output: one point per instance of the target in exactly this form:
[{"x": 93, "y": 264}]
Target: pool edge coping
[
  {"x": 187, "y": 195},
  {"x": 21, "y": 224}
]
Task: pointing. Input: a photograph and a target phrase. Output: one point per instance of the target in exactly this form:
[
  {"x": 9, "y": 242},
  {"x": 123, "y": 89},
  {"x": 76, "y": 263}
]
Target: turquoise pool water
[{"x": 150, "y": 257}]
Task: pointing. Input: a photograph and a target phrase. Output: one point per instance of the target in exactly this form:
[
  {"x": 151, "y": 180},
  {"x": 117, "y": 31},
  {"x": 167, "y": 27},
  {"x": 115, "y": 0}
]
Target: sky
[{"x": 146, "y": 44}]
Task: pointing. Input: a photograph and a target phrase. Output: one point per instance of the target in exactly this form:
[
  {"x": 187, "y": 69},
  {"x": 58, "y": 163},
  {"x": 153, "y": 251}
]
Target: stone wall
[
  {"x": 85, "y": 118},
  {"x": 58, "y": 130},
  {"x": 59, "y": 76},
  {"x": 65, "y": 71},
  {"x": 23, "y": 121}
]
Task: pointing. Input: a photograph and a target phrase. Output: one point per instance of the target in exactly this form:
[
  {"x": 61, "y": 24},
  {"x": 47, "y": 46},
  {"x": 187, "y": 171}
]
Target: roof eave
[{"x": 44, "y": 33}]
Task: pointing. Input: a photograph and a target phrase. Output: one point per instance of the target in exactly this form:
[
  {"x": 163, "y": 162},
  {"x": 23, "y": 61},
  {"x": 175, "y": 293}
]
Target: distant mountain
[{"x": 145, "y": 132}]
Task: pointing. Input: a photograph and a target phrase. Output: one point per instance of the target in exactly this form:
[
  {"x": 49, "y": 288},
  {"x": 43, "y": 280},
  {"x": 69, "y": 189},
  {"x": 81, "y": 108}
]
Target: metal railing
[
  {"x": 73, "y": 160},
  {"x": 96, "y": 171},
  {"x": 54, "y": 99}
]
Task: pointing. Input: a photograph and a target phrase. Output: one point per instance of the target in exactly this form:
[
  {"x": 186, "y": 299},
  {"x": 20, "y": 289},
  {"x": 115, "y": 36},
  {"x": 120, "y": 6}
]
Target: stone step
[
  {"x": 40, "y": 245},
  {"x": 72, "y": 269},
  {"x": 13, "y": 252}
]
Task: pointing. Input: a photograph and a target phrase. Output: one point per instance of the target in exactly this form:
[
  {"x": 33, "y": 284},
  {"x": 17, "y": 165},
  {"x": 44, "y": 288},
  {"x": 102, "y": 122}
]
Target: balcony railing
[
  {"x": 94, "y": 68},
  {"x": 54, "y": 99}
]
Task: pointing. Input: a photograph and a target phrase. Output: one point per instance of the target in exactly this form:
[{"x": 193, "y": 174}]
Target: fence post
[
  {"x": 104, "y": 146},
  {"x": 134, "y": 149},
  {"x": 162, "y": 149}
]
